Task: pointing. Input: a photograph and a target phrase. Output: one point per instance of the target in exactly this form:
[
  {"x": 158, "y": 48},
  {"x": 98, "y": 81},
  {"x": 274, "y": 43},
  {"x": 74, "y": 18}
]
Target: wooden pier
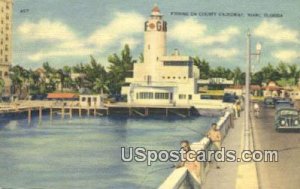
[{"x": 65, "y": 111}]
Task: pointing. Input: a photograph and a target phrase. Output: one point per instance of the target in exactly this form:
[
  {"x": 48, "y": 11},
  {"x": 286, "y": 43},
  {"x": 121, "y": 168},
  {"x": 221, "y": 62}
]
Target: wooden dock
[{"x": 68, "y": 111}]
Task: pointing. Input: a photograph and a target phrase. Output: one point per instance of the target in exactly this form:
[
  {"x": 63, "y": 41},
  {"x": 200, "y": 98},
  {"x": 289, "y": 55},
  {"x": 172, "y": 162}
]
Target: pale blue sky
[{"x": 67, "y": 32}]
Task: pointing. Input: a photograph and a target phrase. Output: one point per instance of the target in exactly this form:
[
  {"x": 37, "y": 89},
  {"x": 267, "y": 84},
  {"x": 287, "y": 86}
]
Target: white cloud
[
  {"x": 45, "y": 30},
  {"x": 224, "y": 53},
  {"x": 122, "y": 26},
  {"x": 63, "y": 41},
  {"x": 276, "y": 32},
  {"x": 286, "y": 55},
  {"x": 193, "y": 32}
]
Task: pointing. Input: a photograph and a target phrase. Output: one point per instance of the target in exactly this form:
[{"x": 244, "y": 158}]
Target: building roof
[
  {"x": 175, "y": 58},
  {"x": 156, "y": 11},
  {"x": 252, "y": 87},
  {"x": 62, "y": 95},
  {"x": 272, "y": 88}
]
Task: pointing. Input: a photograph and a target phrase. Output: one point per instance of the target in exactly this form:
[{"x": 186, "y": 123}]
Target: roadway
[{"x": 286, "y": 172}]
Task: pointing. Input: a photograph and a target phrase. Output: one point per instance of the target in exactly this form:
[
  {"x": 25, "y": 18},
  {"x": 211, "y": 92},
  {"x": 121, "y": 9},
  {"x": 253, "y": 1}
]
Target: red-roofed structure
[{"x": 63, "y": 96}]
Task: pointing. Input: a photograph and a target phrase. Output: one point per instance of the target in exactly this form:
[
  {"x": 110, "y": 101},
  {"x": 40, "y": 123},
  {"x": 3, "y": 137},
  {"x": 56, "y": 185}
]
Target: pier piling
[
  {"x": 29, "y": 115},
  {"x": 51, "y": 113},
  {"x": 63, "y": 112},
  {"x": 40, "y": 114}
]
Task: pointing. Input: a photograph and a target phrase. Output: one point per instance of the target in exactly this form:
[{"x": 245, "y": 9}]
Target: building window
[
  {"x": 1, "y": 52},
  {"x": 182, "y": 96},
  {"x": 190, "y": 97},
  {"x": 6, "y": 58},
  {"x": 148, "y": 47},
  {"x": 7, "y": 16},
  {"x": 6, "y": 47},
  {"x": 161, "y": 95},
  {"x": 148, "y": 79},
  {"x": 169, "y": 77},
  {"x": 179, "y": 77},
  {"x": 5, "y": 74},
  {"x": 163, "y": 77},
  {"x": 0, "y": 74},
  {"x": 144, "y": 95},
  {"x": 7, "y": 6},
  {"x": 174, "y": 77},
  {"x": 184, "y": 77}
]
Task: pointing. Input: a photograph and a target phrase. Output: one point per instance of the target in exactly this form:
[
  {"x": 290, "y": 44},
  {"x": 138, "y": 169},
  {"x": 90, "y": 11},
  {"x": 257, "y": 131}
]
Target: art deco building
[
  {"x": 161, "y": 79},
  {"x": 5, "y": 43}
]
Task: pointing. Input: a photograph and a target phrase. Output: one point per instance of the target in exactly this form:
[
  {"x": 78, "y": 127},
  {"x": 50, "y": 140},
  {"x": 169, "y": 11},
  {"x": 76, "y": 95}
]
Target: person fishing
[{"x": 189, "y": 160}]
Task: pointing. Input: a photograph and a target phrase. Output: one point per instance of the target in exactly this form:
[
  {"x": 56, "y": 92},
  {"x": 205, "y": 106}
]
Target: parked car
[
  {"x": 269, "y": 102},
  {"x": 287, "y": 119},
  {"x": 283, "y": 103},
  {"x": 229, "y": 98}
]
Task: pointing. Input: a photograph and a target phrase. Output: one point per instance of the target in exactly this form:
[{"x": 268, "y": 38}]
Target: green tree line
[
  {"x": 93, "y": 77},
  {"x": 284, "y": 73}
]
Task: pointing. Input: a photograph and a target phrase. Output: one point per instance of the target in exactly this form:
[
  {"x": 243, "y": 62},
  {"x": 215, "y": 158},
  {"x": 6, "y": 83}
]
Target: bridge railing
[{"x": 181, "y": 178}]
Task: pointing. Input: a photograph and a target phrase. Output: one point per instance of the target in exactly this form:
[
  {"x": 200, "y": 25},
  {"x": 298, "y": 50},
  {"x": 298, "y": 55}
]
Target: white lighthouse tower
[
  {"x": 161, "y": 79},
  {"x": 155, "y": 42}
]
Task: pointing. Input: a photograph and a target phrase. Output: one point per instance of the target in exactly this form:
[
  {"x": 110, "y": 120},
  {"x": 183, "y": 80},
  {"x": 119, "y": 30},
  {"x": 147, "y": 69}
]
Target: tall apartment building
[{"x": 5, "y": 43}]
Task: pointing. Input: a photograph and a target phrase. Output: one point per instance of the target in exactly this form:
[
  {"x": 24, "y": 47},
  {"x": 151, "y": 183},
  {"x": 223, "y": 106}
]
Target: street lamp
[{"x": 248, "y": 80}]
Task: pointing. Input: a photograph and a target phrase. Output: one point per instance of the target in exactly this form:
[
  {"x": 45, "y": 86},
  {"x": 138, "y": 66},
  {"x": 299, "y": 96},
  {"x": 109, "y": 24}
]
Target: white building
[
  {"x": 161, "y": 79},
  {"x": 90, "y": 101},
  {"x": 5, "y": 43}
]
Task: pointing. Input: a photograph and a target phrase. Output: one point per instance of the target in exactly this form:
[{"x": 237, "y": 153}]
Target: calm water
[{"x": 86, "y": 153}]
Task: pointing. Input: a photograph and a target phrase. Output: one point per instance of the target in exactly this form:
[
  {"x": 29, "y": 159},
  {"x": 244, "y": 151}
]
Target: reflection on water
[{"x": 85, "y": 153}]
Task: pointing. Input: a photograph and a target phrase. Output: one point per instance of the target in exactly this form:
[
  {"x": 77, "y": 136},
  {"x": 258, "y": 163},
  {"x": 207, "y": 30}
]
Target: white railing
[{"x": 181, "y": 178}]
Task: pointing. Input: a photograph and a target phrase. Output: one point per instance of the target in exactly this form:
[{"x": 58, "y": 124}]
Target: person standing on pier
[
  {"x": 189, "y": 160},
  {"x": 215, "y": 137}
]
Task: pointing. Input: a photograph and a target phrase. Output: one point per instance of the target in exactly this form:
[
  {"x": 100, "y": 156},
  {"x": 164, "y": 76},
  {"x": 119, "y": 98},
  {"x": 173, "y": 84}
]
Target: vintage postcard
[{"x": 149, "y": 94}]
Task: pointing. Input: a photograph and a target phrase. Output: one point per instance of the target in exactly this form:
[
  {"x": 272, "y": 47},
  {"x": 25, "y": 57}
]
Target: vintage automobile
[
  {"x": 287, "y": 119},
  {"x": 269, "y": 102},
  {"x": 283, "y": 103}
]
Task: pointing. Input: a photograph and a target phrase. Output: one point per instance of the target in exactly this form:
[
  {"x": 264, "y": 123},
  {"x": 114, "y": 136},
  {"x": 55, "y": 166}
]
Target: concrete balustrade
[{"x": 181, "y": 178}]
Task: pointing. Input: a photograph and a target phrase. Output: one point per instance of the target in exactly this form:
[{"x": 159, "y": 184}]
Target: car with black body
[
  {"x": 283, "y": 103},
  {"x": 269, "y": 102},
  {"x": 287, "y": 119}
]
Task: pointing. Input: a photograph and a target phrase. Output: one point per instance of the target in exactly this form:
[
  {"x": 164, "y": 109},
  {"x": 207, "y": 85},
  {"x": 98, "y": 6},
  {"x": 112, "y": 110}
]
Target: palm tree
[
  {"x": 100, "y": 85},
  {"x": 120, "y": 68},
  {"x": 237, "y": 76},
  {"x": 294, "y": 73},
  {"x": 282, "y": 69},
  {"x": 270, "y": 73},
  {"x": 203, "y": 67},
  {"x": 61, "y": 74},
  {"x": 20, "y": 80}
]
